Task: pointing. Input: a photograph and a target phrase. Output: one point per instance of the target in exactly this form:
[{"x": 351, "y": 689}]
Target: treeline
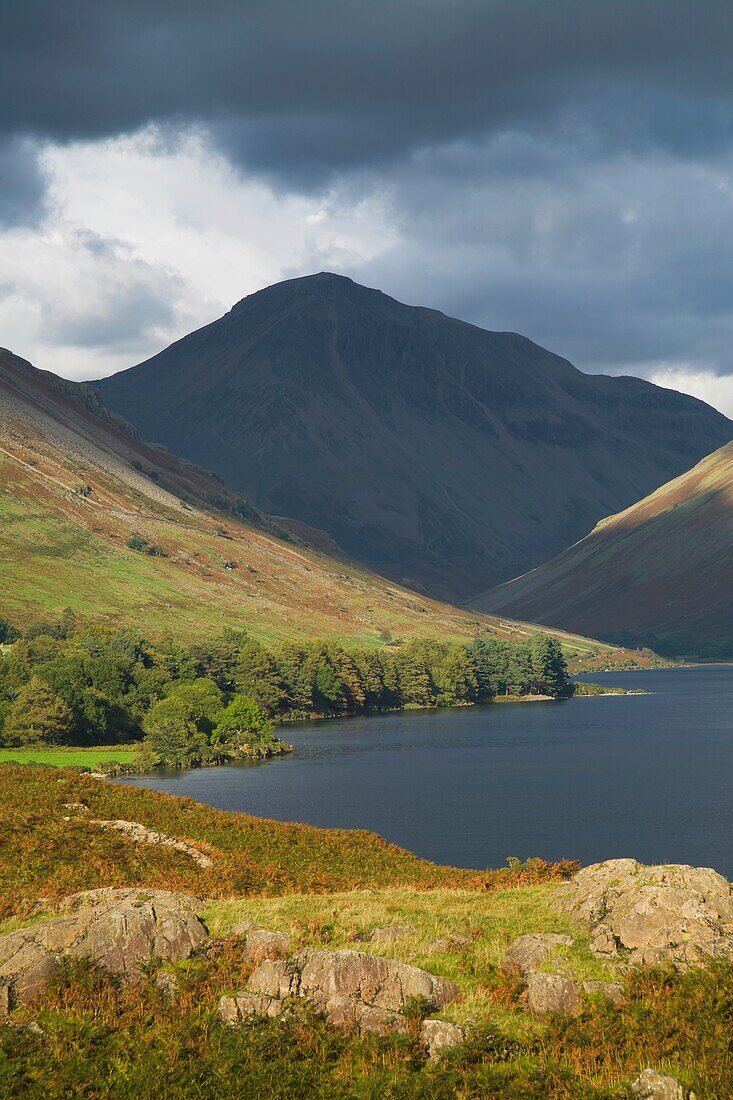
[{"x": 63, "y": 685}]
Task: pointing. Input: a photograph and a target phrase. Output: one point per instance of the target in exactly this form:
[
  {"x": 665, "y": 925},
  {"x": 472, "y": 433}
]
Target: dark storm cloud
[
  {"x": 558, "y": 167},
  {"x": 302, "y": 89},
  {"x": 22, "y": 184}
]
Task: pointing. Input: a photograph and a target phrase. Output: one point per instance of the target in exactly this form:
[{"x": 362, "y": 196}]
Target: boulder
[
  {"x": 439, "y": 1035},
  {"x": 168, "y": 984},
  {"x": 354, "y": 990},
  {"x": 118, "y": 929},
  {"x": 262, "y": 945},
  {"x": 612, "y": 991},
  {"x": 274, "y": 978},
  {"x": 392, "y": 933},
  {"x": 675, "y": 913},
  {"x": 529, "y": 952},
  {"x": 651, "y": 1085},
  {"x": 384, "y": 983},
  {"x": 244, "y": 927},
  {"x": 552, "y": 994},
  {"x": 233, "y": 1010}
]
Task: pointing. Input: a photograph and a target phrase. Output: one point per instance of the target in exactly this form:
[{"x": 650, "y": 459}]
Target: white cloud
[
  {"x": 716, "y": 389},
  {"x": 145, "y": 240}
]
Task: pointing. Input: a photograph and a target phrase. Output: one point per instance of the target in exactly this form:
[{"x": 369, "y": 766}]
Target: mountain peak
[{"x": 432, "y": 450}]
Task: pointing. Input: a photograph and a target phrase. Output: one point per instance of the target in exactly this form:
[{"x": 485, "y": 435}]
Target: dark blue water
[{"x": 648, "y": 776}]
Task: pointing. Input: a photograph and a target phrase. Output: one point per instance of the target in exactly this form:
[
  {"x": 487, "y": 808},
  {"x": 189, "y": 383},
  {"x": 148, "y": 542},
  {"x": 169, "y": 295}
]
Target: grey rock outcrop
[
  {"x": 612, "y": 991},
  {"x": 353, "y": 989},
  {"x": 118, "y": 929},
  {"x": 440, "y": 1035},
  {"x": 141, "y": 834},
  {"x": 651, "y": 1085},
  {"x": 654, "y": 914},
  {"x": 529, "y": 952},
  {"x": 262, "y": 944},
  {"x": 552, "y": 994}
]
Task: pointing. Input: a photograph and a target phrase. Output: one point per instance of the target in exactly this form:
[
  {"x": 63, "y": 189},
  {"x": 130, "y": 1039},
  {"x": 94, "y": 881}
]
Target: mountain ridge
[
  {"x": 658, "y": 574},
  {"x": 439, "y": 454}
]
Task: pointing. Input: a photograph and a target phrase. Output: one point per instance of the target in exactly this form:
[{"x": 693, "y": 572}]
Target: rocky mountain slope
[
  {"x": 77, "y": 484},
  {"x": 442, "y": 455},
  {"x": 659, "y": 573}
]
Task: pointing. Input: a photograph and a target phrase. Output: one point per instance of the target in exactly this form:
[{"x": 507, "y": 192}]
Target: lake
[{"x": 648, "y": 776}]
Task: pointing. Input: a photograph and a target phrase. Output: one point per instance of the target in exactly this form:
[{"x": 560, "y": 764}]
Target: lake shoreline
[{"x": 466, "y": 786}]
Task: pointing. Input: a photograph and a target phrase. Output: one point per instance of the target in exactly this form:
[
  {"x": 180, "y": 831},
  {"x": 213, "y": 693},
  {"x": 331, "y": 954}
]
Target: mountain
[
  {"x": 658, "y": 574},
  {"x": 77, "y": 485},
  {"x": 442, "y": 455}
]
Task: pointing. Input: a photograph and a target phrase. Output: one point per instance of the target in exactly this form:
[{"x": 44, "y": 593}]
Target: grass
[
  {"x": 44, "y": 855},
  {"x": 72, "y": 758},
  {"x": 59, "y": 550},
  {"x": 89, "y": 1036},
  {"x": 489, "y": 921}
]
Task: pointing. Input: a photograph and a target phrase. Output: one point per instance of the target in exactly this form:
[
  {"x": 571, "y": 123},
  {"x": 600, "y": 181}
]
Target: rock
[
  {"x": 232, "y": 1010},
  {"x": 651, "y": 1085},
  {"x": 118, "y": 929},
  {"x": 673, "y": 913},
  {"x": 612, "y": 991},
  {"x": 392, "y": 933},
  {"x": 75, "y": 807},
  {"x": 551, "y": 994},
  {"x": 354, "y": 1015},
  {"x": 438, "y": 1036},
  {"x": 140, "y": 834},
  {"x": 262, "y": 944},
  {"x": 529, "y": 952},
  {"x": 354, "y": 990},
  {"x": 244, "y": 927},
  {"x": 447, "y": 944},
  {"x": 381, "y": 982},
  {"x": 168, "y": 984},
  {"x": 275, "y": 978}
]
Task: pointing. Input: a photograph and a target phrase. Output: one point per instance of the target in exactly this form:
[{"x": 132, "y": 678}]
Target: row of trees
[{"x": 60, "y": 685}]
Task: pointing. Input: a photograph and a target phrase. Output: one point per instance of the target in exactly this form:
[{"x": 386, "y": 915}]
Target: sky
[{"x": 559, "y": 168}]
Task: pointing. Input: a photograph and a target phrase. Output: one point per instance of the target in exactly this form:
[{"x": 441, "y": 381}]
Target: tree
[
  {"x": 256, "y": 675},
  {"x": 178, "y": 727},
  {"x": 296, "y": 680},
  {"x": 173, "y": 734},
  {"x": 38, "y": 716},
  {"x": 414, "y": 679},
  {"x": 202, "y": 698},
  {"x": 548, "y": 668},
  {"x": 455, "y": 678},
  {"x": 242, "y": 723},
  {"x": 328, "y": 691}
]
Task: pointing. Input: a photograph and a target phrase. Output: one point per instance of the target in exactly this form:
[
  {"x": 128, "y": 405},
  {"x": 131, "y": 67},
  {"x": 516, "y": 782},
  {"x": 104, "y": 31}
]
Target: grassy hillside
[
  {"x": 658, "y": 574},
  {"x": 88, "y": 1036},
  {"x": 64, "y": 546},
  {"x": 44, "y": 852}
]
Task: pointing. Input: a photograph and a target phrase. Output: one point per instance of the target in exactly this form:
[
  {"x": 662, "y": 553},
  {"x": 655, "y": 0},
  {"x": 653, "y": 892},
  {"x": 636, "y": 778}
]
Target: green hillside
[{"x": 124, "y": 533}]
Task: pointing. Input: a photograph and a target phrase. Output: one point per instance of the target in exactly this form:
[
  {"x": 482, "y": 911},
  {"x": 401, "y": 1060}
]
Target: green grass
[
  {"x": 58, "y": 551},
  {"x": 42, "y": 854},
  {"x": 489, "y": 921},
  {"x": 70, "y": 758},
  {"x": 89, "y": 1036}
]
